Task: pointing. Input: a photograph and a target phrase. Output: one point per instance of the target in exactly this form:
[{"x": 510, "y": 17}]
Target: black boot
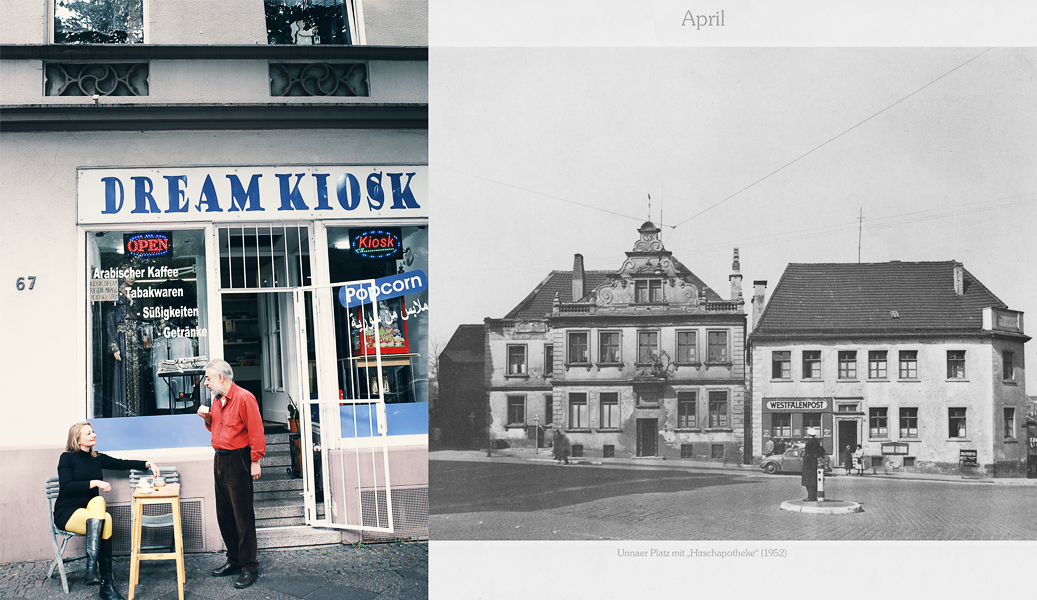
[
  {"x": 94, "y": 528},
  {"x": 108, "y": 589}
]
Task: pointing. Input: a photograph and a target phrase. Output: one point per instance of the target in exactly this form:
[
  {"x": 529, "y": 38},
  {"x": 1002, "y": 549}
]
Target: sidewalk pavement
[
  {"x": 389, "y": 571},
  {"x": 544, "y": 456}
]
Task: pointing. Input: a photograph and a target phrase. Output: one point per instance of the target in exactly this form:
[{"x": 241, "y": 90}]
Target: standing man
[
  {"x": 812, "y": 455},
  {"x": 237, "y": 437}
]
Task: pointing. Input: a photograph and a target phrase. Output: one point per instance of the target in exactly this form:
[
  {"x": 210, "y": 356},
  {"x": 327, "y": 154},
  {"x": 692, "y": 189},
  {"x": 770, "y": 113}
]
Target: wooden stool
[{"x": 167, "y": 494}]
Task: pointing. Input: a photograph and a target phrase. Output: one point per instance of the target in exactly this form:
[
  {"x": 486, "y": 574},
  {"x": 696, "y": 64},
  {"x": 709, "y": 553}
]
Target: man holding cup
[{"x": 237, "y": 437}]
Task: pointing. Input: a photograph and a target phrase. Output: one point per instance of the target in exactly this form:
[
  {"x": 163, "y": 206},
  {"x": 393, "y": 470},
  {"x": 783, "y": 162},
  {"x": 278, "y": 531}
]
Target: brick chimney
[
  {"x": 959, "y": 279},
  {"x": 736, "y": 279},
  {"x": 759, "y": 291},
  {"x": 578, "y": 280}
]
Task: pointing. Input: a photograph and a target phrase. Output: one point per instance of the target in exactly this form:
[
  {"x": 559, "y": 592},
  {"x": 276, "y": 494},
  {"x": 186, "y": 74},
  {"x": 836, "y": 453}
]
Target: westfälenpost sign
[{"x": 251, "y": 193}]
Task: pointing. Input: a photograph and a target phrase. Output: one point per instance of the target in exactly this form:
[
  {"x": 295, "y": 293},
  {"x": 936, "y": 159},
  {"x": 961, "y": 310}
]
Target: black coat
[
  {"x": 75, "y": 471},
  {"x": 812, "y": 454}
]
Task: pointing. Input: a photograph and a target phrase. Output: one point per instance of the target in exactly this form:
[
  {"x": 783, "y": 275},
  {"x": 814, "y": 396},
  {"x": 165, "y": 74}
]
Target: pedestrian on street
[
  {"x": 813, "y": 454},
  {"x": 848, "y": 459},
  {"x": 779, "y": 448},
  {"x": 561, "y": 447},
  {"x": 858, "y": 459},
  {"x": 768, "y": 447},
  {"x": 237, "y": 437}
]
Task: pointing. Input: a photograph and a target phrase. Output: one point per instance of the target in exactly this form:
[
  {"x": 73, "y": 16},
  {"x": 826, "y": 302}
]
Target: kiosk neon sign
[
  {"x": 376, "y": 244},
  {"x": 148, "y": 244}
]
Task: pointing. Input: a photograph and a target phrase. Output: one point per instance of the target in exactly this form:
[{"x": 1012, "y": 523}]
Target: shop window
[
  {"x": 549, "y": 409},
  {"x": 578, "y": 410},
  {"x": 716, "y": 451},
  {"x": 608, "y": 347},
  {"x": 403, "y": 329},
  {"x": 955, "y": 364},
  {"x": 876, "y": 364},
  {"x": 516, "y": 410},
  {"x": 908, "y": 422},
  {"x": 274, "y": 256},
  {"x": 718, "y": 409},
  {"x": 781, "y": 364},
  {"x": 609, "y": 407},
  {"x": 781, "y": 425},
  {"x": 148, "y": 321},
  {"x": 848, "y": 364},
  {"x": 687, "y": 347},
  {"x": 878, "y": 418},
  {"x": 1009, "y": 422},
  {"x": 812, "y": 420},
  {"x": 608, "y": 451},
  {"x": 716, "y": 347},
  {"x": 311, "y": 22},
  {"x": 1008, "y": 365},
  {"x": 687, "y": 409},
  {"x": 577, "y": 349},
  {"x": 956, "y": 422},
  {"x": 549, "y": 359},
  {"x": 909, "y": 364},
  {"x": 99, "y": 21},
  {"x": 811, "y": 364},
  {"x": 516, "y": 359},
  {"x": 647, "y": 346}
]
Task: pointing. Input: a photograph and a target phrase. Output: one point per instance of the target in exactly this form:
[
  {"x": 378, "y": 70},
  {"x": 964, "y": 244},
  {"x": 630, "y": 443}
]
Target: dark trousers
[{"x": 233, "y": 476}]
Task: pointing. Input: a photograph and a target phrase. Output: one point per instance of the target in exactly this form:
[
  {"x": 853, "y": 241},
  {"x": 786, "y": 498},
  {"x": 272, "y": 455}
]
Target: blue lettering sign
[
  {"x": 239, "y": 197},
  {"x": 355, "y": 294},
  {"x": 208, "y": 197},
  {"x": 402, "y": 198},
  {"x": 110, "y": 206},
  {"x": 291, "y": 199},
  {"x": 348, "y": 189},
  {"x": 177, "y": 196},
  {"x": 322, "y": 191},
  {"x": 375, "y": 193},
  {"x": 142, "y": 192}
]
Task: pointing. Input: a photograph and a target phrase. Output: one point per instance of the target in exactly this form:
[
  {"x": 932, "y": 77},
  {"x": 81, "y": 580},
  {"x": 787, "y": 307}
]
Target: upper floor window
[
  {"x": 718, "y": 409},
  {"x": 608, "y": 347},
  {"x": 909, "y": 422},
  {"x": 578, "y": 410},
  {"x": 1009, "y": 422},
  {"x": 687, "y": 403},
  {"x": 549, "y": 359},
  {"x": 648, "y": 290},
  {"x": 99, "y": 22},
  {"x": 847, "y": 364},
  {"x": 716, "y": 347},
  {"x": 909, "y": 364},
  {"x": 609, "y": 410},
  {"x": 956, "y": 423},
  {"x": 781, "y": 364},
  {"x": 311, "y": 22},
  {"x": 878, "y": 422},
  {"x": 578, "y": 353},
  {"x": 877, "y": 364},
  {"x": 1008, "y": 365},
  {"x": 811, "y": 364},
  {"x": 955, "y": 364},
  {"x": 516, "y": 359},
  {"x": 516, "y": 410},
  {"x": 647, "y": 346},
  {"x": 687, "y": 347}
]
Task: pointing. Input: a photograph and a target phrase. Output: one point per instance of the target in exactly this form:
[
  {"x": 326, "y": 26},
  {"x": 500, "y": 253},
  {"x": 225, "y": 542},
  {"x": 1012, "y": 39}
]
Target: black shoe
[
  {"x": 94, "y": 528},
  {"x": 108, "y": 591},
  {"x": 246, "y": 579},
  {"x": 226, "y": 569}
]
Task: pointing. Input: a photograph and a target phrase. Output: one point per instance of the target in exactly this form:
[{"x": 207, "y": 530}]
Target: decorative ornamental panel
[
  {"x": 102, "y": 79},
  {"x": 318, "y": 79}
]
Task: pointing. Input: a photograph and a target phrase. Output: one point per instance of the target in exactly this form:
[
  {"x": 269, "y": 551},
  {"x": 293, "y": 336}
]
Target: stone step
[
  {"x": 276, "y": 459},
  {"x": 258, "y": 497},
  {"x": 279, "y": 508},
  {"x": 276, "y": 481},
  {"x": 294, "y": 537},
  {"x": 276, "y": 438}
]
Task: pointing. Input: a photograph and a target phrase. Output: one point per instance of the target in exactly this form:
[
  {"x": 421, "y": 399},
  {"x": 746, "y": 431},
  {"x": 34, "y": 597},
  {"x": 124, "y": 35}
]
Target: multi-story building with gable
[
  {"x": 643, "y": 361},
  {"x": 918, "y": 362}
]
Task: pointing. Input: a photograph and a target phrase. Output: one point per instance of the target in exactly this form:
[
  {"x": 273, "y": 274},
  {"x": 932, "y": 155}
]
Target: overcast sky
[{"x": 540, "y": 153}]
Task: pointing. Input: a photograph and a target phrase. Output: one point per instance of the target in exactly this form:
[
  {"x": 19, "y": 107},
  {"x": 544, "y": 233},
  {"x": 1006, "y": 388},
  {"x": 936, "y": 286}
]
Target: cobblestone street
[
  {"x": 523, "y": 500},
  {"x": 391, "y": 571}
]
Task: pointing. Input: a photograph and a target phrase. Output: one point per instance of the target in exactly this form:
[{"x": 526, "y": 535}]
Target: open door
[{"x": 342, "y": 410}]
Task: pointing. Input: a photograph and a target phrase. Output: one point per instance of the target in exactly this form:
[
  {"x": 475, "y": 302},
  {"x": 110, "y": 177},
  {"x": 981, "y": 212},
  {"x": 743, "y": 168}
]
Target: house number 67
[{"x": 20, "y": 284}]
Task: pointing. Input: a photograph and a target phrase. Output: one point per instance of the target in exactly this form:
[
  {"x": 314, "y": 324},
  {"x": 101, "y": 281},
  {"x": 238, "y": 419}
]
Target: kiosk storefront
[{"x": 246, "y": 263}]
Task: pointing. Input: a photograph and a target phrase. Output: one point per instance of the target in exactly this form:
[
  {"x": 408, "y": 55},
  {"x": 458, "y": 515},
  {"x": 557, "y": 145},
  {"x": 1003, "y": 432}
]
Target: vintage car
[{"x": 790, "y": 462}]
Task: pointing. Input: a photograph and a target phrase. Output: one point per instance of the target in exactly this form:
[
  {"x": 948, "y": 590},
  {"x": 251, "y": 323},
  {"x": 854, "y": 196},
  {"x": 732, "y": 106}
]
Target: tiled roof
[
  {"x": 537, "y": 304},
  {"x": 859, "y": 298},
  {"x": 466, "y": 345}
]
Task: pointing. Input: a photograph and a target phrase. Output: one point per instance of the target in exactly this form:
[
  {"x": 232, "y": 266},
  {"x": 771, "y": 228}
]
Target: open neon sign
[{"x": 148, "y": 244}]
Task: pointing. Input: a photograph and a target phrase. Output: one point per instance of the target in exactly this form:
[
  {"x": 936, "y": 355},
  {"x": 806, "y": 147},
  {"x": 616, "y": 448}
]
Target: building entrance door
[
  {"x": 647, "y": 437},
  {"x": 847, "y": 437}
]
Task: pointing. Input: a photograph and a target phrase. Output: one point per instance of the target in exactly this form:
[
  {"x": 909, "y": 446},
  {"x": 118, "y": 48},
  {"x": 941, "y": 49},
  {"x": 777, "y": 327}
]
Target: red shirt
[{"x": 238, "y": 424}]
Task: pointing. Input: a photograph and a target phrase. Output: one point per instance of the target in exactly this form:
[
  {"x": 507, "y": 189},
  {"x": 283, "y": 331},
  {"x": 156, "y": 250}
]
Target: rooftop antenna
[{"x": 860, "y": 228}]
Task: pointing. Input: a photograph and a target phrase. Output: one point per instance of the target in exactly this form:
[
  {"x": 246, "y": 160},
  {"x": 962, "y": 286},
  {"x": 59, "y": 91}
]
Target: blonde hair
[{"x": 73, "y": 438}]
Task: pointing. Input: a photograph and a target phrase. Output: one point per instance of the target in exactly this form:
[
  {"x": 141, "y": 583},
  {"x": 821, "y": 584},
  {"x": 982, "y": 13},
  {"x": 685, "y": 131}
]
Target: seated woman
[{"x": 80, "y": 509}]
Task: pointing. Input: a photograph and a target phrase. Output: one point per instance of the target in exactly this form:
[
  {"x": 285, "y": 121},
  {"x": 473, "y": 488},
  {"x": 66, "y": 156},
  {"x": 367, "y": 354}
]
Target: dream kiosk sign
[{"x": 192, "y": 194}]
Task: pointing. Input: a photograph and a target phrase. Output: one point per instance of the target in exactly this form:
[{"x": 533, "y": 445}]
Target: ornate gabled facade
[{"x": 644, "y": 361}]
